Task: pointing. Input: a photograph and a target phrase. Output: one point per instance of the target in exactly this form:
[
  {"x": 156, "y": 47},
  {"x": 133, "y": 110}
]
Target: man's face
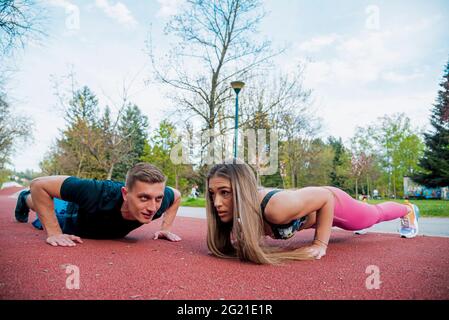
[
  {"x": 144, "y": 200},
  {"x": 221, "y": 192}
]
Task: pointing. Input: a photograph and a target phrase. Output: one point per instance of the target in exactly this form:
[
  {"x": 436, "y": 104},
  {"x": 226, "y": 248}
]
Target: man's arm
[
  {"x": 43, "y": 190},
  {"x": 168, "y": 218}
]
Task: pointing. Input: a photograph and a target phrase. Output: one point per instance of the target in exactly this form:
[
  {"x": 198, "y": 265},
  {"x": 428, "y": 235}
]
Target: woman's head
[
  {"x": 235, "y": 226},
  {"x": 233, "y": 209},
  {"x": 229, "y": 186}
]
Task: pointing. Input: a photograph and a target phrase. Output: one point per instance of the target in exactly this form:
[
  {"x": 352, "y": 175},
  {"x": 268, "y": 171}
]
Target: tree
[
  {"x": 363, "y": 150},
  {"x": 361, "y": 164},
  {"x": 214, "y": 49},
  {"x": 297, "y": 130},
  {"x": 435, "y": 162},
  {"x": 266, "y": 102},
  {"x": 392, "y": 134},
  {"x": 158, "y": 150},
  {"x": 133, "y": 125},
  {"x": 391, "y": 144},
  {"x": 20, "y": 20},
  {"x": 13, "y": 128},
  {"x": 81, "y": 136},
  {"x": 317, "y": 165},
  {"x": 341, "y": 165},
  {"x": 95, "y": 145}
]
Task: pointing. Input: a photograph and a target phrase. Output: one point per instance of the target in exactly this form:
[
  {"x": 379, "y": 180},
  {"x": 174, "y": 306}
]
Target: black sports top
[{"x": 281, "y": 231}]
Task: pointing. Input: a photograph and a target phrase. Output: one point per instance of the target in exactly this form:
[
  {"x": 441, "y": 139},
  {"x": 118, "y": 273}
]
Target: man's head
[{"x": 143, "y": 191}]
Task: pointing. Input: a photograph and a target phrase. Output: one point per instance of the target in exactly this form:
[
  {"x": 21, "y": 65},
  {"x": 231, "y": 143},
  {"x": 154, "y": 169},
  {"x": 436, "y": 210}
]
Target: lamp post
[{"x": 237, "y": 86}]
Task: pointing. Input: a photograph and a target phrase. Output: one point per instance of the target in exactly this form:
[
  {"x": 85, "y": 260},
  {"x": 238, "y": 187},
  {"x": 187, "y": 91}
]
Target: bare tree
[
  {"x": 215, "y": 47},
  {"x": 269, "y": 103},
  {"x": 296, "y": 132},
  {"x": 20, "y": 21},
  {"x": 12, "y": 128}
]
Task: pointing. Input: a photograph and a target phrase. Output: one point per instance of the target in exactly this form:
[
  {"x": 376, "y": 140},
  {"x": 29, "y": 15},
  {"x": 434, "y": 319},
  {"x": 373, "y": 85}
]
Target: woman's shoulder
[
  {"x": 262, "y": 191},
  {"x": 282, "y": 206}
]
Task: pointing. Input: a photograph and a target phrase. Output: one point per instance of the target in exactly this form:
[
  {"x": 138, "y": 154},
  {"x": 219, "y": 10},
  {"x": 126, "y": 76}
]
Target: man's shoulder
[
  {"x": 91, "y": 182},
  {"x": 84, "y": 189}
]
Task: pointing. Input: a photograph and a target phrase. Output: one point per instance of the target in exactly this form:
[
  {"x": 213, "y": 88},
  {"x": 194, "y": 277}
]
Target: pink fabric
[{"x": 350, "y": 214}]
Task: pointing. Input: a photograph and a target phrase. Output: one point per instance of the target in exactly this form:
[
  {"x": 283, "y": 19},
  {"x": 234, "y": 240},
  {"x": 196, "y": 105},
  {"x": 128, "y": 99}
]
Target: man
[{"x": 100, "y": 209}]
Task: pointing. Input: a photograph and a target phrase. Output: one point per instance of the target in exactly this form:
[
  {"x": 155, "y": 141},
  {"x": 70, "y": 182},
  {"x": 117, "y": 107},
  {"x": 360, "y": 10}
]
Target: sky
[{"x": 364, "y": 59}]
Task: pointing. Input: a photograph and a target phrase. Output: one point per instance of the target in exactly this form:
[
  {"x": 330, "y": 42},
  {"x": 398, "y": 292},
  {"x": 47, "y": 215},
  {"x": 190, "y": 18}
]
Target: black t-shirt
[{"x": 99, "y": 203}]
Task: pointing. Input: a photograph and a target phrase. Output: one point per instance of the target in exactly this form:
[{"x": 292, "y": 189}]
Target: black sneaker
[{"x": 22, "y": 209}]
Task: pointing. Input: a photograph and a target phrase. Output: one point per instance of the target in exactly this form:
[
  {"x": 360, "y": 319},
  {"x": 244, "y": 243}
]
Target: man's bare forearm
[
  {"x": 170, "y": 214},
  {"x": 43, "y": 190}
]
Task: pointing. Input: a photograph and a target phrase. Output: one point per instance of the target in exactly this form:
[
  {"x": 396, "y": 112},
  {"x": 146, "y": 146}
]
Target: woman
[{"x": 239, "y": 215}]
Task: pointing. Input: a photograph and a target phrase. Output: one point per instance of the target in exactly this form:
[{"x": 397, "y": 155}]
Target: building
[{"x": 417, "y": 191}]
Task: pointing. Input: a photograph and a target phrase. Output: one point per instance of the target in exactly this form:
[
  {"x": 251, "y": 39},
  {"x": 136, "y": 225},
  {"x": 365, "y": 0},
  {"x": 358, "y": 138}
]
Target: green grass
[
  {"x": 190, "y": 202},
  {"x": 427, "y": 208}
]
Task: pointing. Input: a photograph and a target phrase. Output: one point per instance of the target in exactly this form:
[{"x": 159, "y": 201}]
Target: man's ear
[{"x": 124, "y": 192}]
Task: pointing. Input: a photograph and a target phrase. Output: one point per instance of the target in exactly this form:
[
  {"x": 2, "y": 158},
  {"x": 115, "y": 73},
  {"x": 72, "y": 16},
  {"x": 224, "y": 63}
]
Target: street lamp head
[{"x": 237, "y": 86}]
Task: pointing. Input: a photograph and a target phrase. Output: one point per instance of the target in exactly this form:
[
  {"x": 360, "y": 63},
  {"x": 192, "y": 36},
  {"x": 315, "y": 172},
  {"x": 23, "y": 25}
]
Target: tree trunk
[
  {"x": 176, "y": 179},
  {"x": 283, "y": 181},
  {"x": 79, "y": 167},
  {"x": 110, "y": 172},
  {"x": 367, "y": 186},
  {"x": 394, "y": 186}
]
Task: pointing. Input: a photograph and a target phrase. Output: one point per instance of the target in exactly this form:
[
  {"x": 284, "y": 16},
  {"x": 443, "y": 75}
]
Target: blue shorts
[{"x": 67, "y": 214}]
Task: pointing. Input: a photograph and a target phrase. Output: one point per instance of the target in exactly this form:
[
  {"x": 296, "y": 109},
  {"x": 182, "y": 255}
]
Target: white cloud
[
  {"x": 318, "y": 43},
  {"x": 118, "y": 12},
  {"x": 169, "y": 7},
  {"x": 357, "y": 60},
  {"x": 423, "y": 24},
  {"x": 342, "y": 115},
  {"x": 365, "y": 57},
  {"x": 62, "y": 3},
  {"x": 396, "y": 77}
]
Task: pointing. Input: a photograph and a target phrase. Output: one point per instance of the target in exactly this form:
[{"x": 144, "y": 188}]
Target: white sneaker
[
  {"x": 409, "y": 223},
  {"x": 362, "y": 231}
]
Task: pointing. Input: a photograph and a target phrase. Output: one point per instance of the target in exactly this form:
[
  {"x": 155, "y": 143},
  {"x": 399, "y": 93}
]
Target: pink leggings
[{"x": 350, "y": 214}]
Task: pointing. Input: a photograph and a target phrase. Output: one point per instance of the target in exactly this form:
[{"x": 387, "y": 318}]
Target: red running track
[{"x": 139, "y": 267}]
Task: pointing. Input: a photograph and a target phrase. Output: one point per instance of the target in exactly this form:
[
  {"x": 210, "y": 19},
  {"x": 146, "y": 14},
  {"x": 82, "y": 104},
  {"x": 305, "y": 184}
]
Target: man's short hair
[{"x": 144, "y": 172}]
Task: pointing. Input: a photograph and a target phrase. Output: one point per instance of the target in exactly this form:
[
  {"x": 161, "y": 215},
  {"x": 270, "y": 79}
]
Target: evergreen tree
[
  {"x": 83, "y": 106},
  {"x": 337, "y": 178},
  {"x": 157, "y": 152},
  {"x": 73, "y": 148},
  {"x": 435, "y": 162},
  {"x": 133, "y": 126}
]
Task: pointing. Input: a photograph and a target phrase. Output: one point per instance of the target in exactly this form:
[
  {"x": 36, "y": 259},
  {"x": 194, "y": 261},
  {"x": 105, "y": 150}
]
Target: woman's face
[{"x": 221, "y": 194}]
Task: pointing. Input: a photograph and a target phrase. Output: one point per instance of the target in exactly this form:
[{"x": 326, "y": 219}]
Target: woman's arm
[
  {"x": 324, "y": 220},
  {"x": 293, "y": 204},
  {"x": 298, "y": 203}
]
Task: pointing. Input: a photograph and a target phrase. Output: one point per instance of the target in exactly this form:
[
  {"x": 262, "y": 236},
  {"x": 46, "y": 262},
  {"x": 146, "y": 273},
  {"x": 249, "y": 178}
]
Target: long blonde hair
[{"x": 243, "y": 237}]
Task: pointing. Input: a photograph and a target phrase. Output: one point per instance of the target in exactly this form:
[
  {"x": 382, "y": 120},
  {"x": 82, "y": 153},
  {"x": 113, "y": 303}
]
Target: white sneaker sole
[{"x": 409, "y": 236}]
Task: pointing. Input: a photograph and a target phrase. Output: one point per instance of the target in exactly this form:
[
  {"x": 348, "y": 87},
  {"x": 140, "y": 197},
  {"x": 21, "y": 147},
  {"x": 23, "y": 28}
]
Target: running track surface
[{"x": 138, "y": 267}]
